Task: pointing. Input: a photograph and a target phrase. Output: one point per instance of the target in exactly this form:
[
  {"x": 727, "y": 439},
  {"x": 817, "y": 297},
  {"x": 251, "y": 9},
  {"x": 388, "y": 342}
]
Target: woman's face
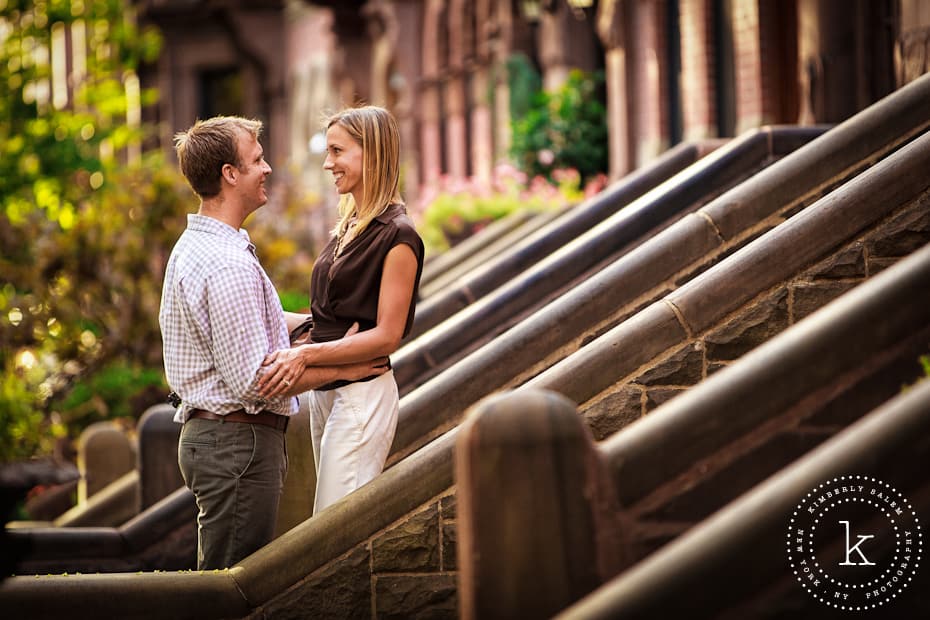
[{"x": 344, "y": 160}]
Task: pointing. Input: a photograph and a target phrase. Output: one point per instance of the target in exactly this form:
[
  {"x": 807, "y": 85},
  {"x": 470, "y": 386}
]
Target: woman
[{"x": 367, "y": 274}]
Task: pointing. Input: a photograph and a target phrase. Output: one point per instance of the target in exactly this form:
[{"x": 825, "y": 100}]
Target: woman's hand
[
  {"x": 282, "y": 369},
  {"x": 316, "y": 376},
  {"x": 285, "y": 367}
]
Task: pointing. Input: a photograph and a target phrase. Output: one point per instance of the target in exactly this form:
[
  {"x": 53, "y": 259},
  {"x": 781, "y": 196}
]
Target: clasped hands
[{"x": 285, "y": 368}]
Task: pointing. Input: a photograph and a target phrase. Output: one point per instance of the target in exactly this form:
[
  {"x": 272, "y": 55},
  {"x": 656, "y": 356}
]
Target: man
[{"x": 220, "y": 316}]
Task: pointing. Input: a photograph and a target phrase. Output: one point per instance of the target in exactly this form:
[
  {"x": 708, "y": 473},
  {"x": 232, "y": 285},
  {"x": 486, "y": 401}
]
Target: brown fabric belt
[{"x": 265, "y": 418}]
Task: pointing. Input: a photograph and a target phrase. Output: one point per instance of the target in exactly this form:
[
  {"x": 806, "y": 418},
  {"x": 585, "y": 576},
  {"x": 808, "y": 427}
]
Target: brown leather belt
[{"x": 265, "y": 418}]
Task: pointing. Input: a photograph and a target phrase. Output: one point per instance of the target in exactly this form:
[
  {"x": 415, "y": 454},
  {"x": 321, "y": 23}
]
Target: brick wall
[{"x": 778, "y": 54}]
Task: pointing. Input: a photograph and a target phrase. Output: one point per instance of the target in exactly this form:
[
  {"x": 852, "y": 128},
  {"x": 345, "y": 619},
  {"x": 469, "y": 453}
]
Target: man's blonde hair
[
  {"x": 375, "y": 130},
  {"x": 206, "y": 147}
]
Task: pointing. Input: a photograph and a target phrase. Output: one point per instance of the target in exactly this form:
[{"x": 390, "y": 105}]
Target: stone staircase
[
  {"x": 495, "y": 296},
  {"x": 641, "y": 322},
  {"x": 689, "y": 506}
]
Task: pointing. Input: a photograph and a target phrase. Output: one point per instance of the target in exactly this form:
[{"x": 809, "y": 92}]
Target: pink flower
[{"x": 595, "y": 185}]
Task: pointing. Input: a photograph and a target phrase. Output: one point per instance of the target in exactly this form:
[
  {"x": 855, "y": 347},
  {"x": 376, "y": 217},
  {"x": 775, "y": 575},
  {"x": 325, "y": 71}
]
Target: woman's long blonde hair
[{"x": 376, "y": 131}]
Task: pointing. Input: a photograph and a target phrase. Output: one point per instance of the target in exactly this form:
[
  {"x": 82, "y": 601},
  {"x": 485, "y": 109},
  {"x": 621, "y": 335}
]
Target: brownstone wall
[
  {"x": 778, "y": 54},
  {"x": 407, "y": 570},
  {"x": 756, "y": 322}
]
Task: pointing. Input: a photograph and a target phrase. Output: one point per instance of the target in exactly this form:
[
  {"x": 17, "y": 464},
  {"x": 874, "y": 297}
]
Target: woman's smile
[{"x": 343, "y": 160}]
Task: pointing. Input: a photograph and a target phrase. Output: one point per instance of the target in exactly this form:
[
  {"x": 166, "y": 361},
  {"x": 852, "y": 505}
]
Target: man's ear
[{"x": 230, "y": 173}]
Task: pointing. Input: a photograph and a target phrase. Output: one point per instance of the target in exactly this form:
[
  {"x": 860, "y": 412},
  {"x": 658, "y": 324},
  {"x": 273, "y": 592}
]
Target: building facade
[{"x": 675, "y": 70}]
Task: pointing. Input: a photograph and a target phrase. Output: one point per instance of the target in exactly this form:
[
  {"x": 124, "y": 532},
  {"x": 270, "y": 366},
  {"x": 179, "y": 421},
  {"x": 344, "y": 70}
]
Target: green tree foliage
[
  {"x": 85, "y": 225},
  {"x": 565, "y": 129},
  {"x": 524, "y": 83}
]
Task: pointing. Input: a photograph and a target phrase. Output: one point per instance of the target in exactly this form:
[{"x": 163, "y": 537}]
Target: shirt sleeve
[
  {"x": 406, "y": 234},
  {"x": 239, "y": 337}
]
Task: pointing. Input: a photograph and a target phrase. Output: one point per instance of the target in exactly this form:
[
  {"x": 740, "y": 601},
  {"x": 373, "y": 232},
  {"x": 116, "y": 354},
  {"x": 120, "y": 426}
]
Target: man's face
[
  {"x": 344, "y": 160},
  {"x": 253, "y": 171}
]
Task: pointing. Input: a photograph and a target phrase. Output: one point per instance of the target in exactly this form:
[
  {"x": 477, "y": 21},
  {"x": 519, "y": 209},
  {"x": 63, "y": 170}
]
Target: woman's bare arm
[{"x": 397, "y": 282}]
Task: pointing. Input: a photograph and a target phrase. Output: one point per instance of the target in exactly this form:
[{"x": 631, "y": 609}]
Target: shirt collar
[
  {"x": 390, "y": 213},
  {"x": 212, "y": 226}
]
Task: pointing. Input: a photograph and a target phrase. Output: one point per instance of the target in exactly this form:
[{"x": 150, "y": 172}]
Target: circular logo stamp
[{"x": 854, "y": 543}]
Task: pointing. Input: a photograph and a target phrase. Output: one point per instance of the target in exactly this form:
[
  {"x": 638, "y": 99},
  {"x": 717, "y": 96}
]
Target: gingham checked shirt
[{"x": 220, "y": 316}]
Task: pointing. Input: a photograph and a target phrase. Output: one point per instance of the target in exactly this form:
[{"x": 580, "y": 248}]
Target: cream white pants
[{"x": 352, "y": 428}]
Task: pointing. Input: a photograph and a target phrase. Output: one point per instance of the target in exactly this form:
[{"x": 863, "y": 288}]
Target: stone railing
[{"x": 596, "y": 509}]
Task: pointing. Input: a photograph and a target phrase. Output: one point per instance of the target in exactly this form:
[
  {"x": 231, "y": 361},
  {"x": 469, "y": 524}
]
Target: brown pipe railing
[
  {"x": 490, "y": 253},
  {"x": 109, "y": 549},
  {"x": 111, "y": 506},
  {"x": 439, "y": 270},
  {"x": 704, "y": 301}
]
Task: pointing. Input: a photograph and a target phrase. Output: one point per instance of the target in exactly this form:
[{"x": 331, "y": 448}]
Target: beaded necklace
[{"x": 344, "y": 238}]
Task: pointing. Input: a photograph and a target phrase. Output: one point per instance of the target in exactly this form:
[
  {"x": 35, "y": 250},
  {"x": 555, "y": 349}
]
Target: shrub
[
  {"x": 289, "y": 233},
  {"x": 86, "y": 237},
  {"x": 566, "y": 129},
  {"x": 83, "y": 236},
  {"x": 82, "y": 302},
  {"x": 458, "y": 209}
]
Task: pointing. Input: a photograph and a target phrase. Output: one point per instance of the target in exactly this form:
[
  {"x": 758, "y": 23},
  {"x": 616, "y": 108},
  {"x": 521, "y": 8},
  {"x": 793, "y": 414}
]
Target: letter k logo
[{"x": 862, "y": 538}]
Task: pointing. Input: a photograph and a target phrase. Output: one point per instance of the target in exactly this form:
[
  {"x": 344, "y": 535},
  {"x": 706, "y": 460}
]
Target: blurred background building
[{"x": 675, "y": 69}]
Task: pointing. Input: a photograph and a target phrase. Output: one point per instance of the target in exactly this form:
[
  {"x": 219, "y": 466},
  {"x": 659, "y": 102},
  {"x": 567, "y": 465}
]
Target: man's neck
[{"x": 222, "y": 210}]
